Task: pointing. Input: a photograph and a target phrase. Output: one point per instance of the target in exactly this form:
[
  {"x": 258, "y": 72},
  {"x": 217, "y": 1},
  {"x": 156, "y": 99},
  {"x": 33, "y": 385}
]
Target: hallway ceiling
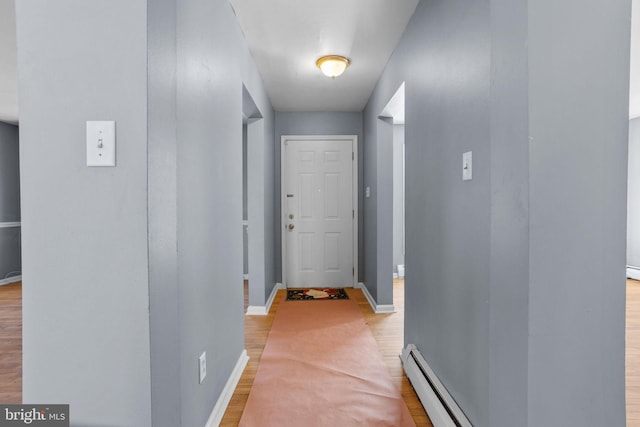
[{"x": 287, "y": 37}]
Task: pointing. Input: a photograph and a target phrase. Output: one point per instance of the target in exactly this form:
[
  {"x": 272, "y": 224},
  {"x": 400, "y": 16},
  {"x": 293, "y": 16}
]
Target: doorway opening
[
  {"x": 252, "y": 211},
  {"x": 245, "y": 219},
  {"x": 632, "y": 322},
  {"x": 10, "y": 266},
  {"x": 395, "y": 112}
]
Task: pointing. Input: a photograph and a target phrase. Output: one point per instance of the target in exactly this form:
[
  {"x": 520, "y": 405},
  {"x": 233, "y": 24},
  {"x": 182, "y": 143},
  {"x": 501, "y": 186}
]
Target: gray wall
[
  {"x": 9, "y": 174},
  {"x": 165, "y": 328},
  {"x": 398, "y": 196},
  {"x": 132, "y": 272},
  {"x": 84, "y": 230},
  {"x": 514, "y": 280},
  {"x": 10, "y": 259},
  {"x": 379, "y": 214},
  {"x": 204, "y": 147},
  {"x": 509, "y": 219},
  {"x": 245, "y": 242},
  {"x": 443, "y": 58},
  {"x": 318, "y": 123},
  {"x": 577, "y": 209},
  {"x": 244, "y": 171},
  {"x": 633, "y": 201}
]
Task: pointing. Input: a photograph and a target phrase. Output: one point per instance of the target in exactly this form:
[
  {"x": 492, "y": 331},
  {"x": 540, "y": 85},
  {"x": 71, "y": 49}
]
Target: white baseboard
[
  {"x": 227, "y": 391},
  {"x": 245, "y": 277},
  {"x": 633, "y": 273},
  {"x": 256, "y": 310},
  {"x": 377, "y": 308},
  {"x": 263, "y": 310},
  {"x": 439, "y": 404},
  {"x": 395, "y": 275},
  {"x": 10, "y": 280}
]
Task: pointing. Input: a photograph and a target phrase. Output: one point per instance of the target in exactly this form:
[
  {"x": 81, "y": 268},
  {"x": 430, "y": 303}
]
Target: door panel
[
  {"x": 307, "y": 253},
  {"x": 318, "y": 212},
  {"x": 332, "y": 196},
  {"x": 331, "y": 252},
  {"x": 305, "y": 195}
]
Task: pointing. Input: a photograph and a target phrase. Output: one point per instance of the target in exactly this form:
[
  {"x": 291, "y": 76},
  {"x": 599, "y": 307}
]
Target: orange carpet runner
[{"x": 321, "y": 367}]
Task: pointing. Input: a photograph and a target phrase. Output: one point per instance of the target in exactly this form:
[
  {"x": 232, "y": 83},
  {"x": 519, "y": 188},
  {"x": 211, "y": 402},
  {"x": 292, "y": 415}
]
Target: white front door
[{"x": 318, "y": 211}]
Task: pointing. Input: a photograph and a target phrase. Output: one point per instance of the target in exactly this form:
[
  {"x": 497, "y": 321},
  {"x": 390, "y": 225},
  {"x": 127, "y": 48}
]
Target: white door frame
[{"x": 354, "y": 180}]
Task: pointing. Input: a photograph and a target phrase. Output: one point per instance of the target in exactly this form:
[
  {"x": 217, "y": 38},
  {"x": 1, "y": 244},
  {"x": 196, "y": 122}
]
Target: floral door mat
[{"x": 316, "y": 294}]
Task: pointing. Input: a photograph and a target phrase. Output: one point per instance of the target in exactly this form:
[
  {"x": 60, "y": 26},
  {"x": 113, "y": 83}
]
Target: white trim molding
[
  {"x": 263, "y": 310},
  {"x": 9, "y": 280},
  {"x": 10, "y": 224},
  {"x": 633, "y": 272},
  {"x": 245, "y": 277},
  {"x": 227, "y": 391},
  {"x": 377, "y": 308}
]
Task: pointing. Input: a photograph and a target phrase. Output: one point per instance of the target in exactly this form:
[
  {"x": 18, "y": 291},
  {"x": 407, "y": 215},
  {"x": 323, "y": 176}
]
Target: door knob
[{"x": 291, "y": 227}]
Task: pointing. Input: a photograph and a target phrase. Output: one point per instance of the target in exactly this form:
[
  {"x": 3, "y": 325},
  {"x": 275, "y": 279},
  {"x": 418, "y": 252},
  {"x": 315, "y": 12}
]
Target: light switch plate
[
  {"x": 101, "y": 143},
  {"x": 202, "y": 363},
  {"x": 367, "y": 192},
  {"x": 467, "y": 166}
]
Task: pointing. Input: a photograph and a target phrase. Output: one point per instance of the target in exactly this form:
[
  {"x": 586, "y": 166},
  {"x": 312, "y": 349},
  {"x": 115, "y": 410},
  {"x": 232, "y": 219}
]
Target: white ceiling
[{"x": 287, "y": 37}]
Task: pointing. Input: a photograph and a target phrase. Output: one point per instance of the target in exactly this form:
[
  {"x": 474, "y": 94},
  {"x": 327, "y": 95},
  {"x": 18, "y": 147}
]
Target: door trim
[{"x": 354, "y": 181}]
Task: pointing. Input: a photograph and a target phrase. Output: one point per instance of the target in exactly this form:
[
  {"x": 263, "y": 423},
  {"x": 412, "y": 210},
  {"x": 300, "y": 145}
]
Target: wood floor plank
[
  {"x": 11, "y": 343},
  {"x": 633, "y": 353}
]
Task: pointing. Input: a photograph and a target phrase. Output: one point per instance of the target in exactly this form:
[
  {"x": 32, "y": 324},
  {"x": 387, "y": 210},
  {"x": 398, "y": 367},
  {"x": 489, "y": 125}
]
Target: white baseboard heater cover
[{"x": 440, "y": 406}]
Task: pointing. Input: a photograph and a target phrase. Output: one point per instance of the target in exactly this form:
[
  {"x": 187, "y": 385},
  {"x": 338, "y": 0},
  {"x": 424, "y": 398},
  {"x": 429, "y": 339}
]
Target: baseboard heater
[{"x": 440, "y": 406}]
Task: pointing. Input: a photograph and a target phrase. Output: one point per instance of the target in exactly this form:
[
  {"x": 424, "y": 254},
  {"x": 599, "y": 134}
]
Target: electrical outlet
[{"x": 203, "y": 365}]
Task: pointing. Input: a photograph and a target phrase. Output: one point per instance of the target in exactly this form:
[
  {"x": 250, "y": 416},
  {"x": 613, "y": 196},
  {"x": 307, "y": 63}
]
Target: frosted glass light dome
[{"x": 332, "y": 65}]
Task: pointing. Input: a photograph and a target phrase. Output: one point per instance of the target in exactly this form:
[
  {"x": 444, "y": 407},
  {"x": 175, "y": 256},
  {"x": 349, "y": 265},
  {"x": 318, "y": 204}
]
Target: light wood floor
[
  {"x": 11, "y": 343},
  {"x": 387, "y": 329},
  {"x": 633, "y": 353}
]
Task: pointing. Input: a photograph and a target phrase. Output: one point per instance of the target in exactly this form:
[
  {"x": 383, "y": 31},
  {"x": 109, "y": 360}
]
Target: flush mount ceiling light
[{"x": 332, "y": 65}]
